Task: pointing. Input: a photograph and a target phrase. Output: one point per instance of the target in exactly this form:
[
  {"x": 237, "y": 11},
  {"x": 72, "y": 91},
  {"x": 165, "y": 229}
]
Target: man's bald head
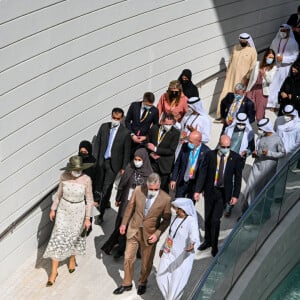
[
  {"x": 224, "y": 141},
  {"x": 195, "y": 138}
]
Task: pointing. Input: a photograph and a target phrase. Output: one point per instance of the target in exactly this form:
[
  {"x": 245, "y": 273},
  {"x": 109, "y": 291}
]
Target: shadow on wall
[
  {"x": 43, "y": 234},
  {"x": 218, "y": 86}
]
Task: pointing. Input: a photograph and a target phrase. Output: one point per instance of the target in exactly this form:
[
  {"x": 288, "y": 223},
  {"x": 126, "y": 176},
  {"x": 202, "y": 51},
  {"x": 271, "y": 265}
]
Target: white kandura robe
[
  {"x": 290, "y": 54},
  {"x": 264, "y": 166},
  {"x": 175, "y": 267},
  {"x": 290, "y": 135}
]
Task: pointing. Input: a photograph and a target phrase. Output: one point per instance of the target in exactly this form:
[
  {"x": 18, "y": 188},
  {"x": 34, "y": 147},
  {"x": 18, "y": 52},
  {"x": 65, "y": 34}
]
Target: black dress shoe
[
  {"x": 106, "y": 250},
  {"x": 214, "y": 252},
  {"x": 122, "y": 289},
  {"x": 141, "y": 289},
  {"x": 118, "y": 254},
  {"x": 204, "y": 246}
]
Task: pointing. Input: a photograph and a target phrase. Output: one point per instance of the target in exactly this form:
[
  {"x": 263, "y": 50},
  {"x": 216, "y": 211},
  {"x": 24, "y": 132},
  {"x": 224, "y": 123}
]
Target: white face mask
[
  {"x": 152, "y": 194},
  {"x": 167, "y": 127},
  {"x": 138, "y": 163},
  {"x": 76, "y": 173},
  {"x": 287, "y": 118},
  {"x": 114, "y": 123},
  {"x": 241, "y": 127},
  {"x": 283, "y": 34},
  {"x": 260, "y": 132}
]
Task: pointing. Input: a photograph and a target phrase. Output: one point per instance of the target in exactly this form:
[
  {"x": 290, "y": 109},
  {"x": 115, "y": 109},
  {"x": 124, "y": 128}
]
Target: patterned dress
[{"x": 69, "y": 201}]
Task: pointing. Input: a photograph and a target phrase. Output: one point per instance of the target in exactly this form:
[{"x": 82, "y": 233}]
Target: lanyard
[
  {"x": 177, "y": 227},
  {"x": 145, "y": 116},
  {"x": 184, "y": 126},
  {"x": 193, "y": 157},
  {"x": 284, "y": 46},
  {"x": 160, "y": 135}
]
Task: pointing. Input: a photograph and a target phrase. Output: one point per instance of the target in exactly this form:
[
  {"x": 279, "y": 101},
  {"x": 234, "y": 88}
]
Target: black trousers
[
  {"x": 105, "y": 180},
  {"x": 213, "y": 211},
  {"x": 164, "y": 178},
  {"x": 185, "y": 189}
]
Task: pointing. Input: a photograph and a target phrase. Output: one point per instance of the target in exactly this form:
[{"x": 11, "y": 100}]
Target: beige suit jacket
[{"x": 157, "y": 219}]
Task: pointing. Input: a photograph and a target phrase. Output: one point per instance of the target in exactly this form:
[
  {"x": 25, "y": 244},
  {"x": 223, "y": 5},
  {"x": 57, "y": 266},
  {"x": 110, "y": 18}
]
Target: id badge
[
  {"x": 130, "y": 192},
  {"x": 168, "y": 245}
]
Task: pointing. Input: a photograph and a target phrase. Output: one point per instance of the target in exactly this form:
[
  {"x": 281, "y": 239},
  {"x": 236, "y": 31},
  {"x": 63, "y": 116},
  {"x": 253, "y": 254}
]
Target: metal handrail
[
  {"x": 199, "y": 286},
  {"x": 23, "y": 216}
]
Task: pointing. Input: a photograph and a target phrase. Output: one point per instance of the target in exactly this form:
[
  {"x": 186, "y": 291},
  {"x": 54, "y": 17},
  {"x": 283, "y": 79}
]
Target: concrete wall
[{"x": 65, "y": 64}]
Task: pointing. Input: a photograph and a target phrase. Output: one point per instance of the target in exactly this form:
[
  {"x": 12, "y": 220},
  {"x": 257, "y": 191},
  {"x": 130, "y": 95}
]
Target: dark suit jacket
[
  {"x": 183, "y": 160},
  {"x": 246, "y": 107},
  {"x": 120, "y": 150},
  {"x": 166, "y": 149},
  {"x": 157, "y": 219},
  {"x": 133, "y": 122},
  {"x": 232, "y": 175}
]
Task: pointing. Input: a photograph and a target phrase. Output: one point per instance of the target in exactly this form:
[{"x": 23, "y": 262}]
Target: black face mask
[
  {"x": 243, "y": 44},
  {"x": 185, "y": 81},
  {"x": 84, "y": 155},
  {"x": 173, "y": 94}
]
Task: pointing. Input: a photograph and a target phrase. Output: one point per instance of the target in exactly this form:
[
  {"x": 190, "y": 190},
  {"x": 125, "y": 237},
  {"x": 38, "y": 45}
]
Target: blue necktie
[
  {"x": 147, "y": 205},
  {"x": 107, "y": 153}
]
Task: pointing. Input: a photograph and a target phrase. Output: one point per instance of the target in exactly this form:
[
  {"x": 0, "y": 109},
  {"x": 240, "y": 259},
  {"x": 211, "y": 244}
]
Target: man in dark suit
[
  {"x": 162, "y": 143},
  {"x": 220, "y": 180},
  {"x": 146, "y": 217},
  {"x": 188, "y": 166},
  {"x": 112, "y": 146},
  {"x": 235, "y": 103},
  {"x": 140, "y": 117}
]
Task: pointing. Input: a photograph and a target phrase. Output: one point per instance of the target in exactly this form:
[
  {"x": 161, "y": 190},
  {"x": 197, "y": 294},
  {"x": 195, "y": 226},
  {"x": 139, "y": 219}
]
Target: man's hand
[
  {"x": 122, "y": 229},
  {"x": 233, "y": 201},
  {"x": 264, "y": 151},
  {"x": 152, "y": 239},
  {"x": 279, "y": 57},
  {"x": 172, "y": 184},
  {"x": 244, "y": 153},
  {"x": 154, "y": 156},
  {"x": 117, "y": 204},
  {"x": 151, "y": 147},
  {"x": 190, "y": 247},
  {"x": 197, "y": 196},
  {"x": 122, "y": 171}
]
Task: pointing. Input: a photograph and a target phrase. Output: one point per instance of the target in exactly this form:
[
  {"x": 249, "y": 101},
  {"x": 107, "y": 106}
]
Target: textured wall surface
[{"x": 65, "y": 64}]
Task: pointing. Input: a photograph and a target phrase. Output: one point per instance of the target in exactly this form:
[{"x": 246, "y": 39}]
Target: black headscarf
[
  {"x": 88, "y": 159},
  {"x": 144, "y": 171},
  {"x": 188, "y": 88}
]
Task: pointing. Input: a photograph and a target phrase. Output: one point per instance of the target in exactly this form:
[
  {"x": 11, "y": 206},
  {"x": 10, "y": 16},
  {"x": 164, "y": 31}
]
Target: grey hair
[
  {"x": 153, "y": 178},
  {"x": 240, "y": 86}
]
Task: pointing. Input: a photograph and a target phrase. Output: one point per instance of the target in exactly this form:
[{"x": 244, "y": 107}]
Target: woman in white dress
[
  {"x": 178, "y": 251},
  {"x": 71, "y": 209}
]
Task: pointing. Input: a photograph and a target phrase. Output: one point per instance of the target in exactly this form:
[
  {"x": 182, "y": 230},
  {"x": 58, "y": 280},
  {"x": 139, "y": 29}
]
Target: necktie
[
  {"x": 143, "y": 114},
  {"x": 147, "y": 205},
  {"x": 107, "y": 153},
  {"x": 221, "y": 171}
]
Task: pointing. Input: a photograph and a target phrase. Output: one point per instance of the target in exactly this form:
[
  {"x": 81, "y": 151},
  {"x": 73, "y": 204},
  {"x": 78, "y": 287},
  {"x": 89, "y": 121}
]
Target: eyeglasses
[
  {"x": 225, "y": 147},
  {"x": 153, "y": 189}
]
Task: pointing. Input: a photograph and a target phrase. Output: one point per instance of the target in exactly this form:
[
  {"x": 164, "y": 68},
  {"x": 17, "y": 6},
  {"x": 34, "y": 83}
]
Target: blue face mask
[
  {"x": 147, "y": 107},
  {"x": 191, "y": 146},
  {"x": 238, "y": 97},
  {"x": 269, "y": 61},
  {"x": 224, "y": 150}
]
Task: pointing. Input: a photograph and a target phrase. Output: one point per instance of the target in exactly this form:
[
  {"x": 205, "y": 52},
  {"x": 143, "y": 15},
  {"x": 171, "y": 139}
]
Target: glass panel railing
[{"x": 259, "y": 221}]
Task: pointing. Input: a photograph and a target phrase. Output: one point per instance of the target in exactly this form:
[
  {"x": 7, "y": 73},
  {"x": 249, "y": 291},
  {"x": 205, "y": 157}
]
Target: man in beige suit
[{"x": 146, "y": 217}]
